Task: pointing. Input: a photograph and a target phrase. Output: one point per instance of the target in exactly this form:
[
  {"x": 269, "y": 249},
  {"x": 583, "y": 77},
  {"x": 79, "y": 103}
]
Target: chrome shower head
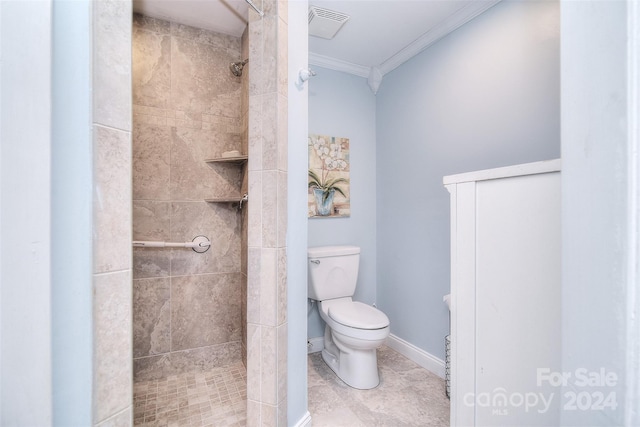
[{"x": 236, "y": 67}]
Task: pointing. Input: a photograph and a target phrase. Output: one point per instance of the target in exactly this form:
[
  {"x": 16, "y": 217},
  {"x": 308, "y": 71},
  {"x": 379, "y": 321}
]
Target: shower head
[{"x": 236, "y": 67}]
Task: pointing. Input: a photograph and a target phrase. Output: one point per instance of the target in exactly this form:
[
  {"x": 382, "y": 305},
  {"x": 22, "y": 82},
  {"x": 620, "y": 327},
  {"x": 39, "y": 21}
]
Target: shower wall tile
[
  {"x": 112, "y": 344},
  {"x": 254, "y": 302},
  {"x": 255, "y": 134},
  {"x": 219, "y": 223},
  {"x": 256, "y": 80},
  {"x": 151, "y": 317},
  {"x": 269, "y": 208},
  {"x": 226, "y": 104},
  {"x": 283, "y": 11},
  {"x": 254, "y": 361},
  {"x": 268, "y": 365},
  {"x": 188, "y": 108},
  {"x": 205, "y": 358},
  {"x": 205, "y": 310},
  {"x": 151, "y": 262},
  {"x": 200, "y": 78},
  {"x": 198, "y": 35},
  {"x": 112, "y": 200},
  {"x": 151, "y": 65},
  {"x": 281, "y": 206},
  {"x": 266, "y": 235},
  {"x": 243, "y": 316},
  {"x": 151, "y": 220},
  {"x": 151, "y": 24},
  {"x": 254, "y": 231},
  {"x": 151, "y": 162},
  {"x": 268, "y": 287},
  {"x": 270, "y": 54},
  {"x": 269, "y": 131},
  {"x": 281, "y": 291},
  {"x": 282, "y": 133},
  {"x": 281, "y": 364},
  {"x": 270, "y": 7},
  {"x": 121, "y": 419},
  {"x": 268, "y": 415},
  {"x": 282, "y": 71},
  {"x": 112, "y": 63},
  {"x": 191, "y": 177},
  {"x": 178, "y": 362},
  {"x": 112, "y": 206},
  {"x": 243, "y": 238}
]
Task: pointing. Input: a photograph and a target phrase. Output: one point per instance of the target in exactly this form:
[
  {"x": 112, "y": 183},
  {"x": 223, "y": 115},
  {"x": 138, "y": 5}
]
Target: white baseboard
[
  {"x": 305, "y": 421},
  {"x": 419, "y": 356},
  {"x": 315, "y": 345}
]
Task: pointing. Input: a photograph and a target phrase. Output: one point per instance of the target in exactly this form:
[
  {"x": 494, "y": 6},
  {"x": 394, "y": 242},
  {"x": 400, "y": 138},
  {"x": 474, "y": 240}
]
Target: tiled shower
[
  {"x": 194, "y": 313},
  {"x": 187, "y": 106}
]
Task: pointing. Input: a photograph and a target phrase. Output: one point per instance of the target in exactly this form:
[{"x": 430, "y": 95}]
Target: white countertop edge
[{"x": 545, "y": 166}]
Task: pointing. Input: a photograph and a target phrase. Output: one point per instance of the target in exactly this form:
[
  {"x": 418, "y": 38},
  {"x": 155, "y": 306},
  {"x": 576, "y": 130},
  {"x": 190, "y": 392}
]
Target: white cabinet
[{"x": 505, "y": 295}]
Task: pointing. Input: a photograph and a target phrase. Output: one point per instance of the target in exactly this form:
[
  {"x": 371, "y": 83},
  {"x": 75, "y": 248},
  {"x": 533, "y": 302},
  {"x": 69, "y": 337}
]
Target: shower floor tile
[{"x": 217, "y": 397}]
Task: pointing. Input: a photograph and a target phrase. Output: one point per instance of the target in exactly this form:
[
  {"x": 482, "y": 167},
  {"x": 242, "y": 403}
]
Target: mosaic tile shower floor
[{"x": 217, "y": 397}]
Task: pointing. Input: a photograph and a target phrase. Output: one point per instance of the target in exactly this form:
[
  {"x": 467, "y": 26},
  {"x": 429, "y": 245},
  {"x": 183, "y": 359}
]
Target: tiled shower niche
[{"x": 187, "y": 107}]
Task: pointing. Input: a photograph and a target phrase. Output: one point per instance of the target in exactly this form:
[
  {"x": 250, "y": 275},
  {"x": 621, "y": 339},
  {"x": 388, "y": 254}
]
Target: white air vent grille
[{"x": 325, "y": 23}]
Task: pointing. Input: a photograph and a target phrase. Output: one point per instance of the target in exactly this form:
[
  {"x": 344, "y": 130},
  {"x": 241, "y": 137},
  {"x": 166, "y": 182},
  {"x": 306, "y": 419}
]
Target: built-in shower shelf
[
  {"x": 236, "y": 159},
  {"x": 227, "y": 199}
]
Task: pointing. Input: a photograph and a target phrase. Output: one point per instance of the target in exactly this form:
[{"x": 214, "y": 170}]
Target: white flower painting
[{"x": 328, "y": 180}]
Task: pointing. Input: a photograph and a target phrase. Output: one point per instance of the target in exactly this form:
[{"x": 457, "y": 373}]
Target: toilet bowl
[
  {"x": 353, "y": 330},
  {"x": 353, "y": 333}
]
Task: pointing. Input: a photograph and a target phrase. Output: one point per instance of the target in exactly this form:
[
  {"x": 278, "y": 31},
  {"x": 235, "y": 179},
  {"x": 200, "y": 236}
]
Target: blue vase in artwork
[{"x": 324, "y": 201}]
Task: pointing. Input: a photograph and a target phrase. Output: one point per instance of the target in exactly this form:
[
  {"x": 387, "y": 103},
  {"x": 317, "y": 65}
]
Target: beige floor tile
[{"x": 408, "y": 395}]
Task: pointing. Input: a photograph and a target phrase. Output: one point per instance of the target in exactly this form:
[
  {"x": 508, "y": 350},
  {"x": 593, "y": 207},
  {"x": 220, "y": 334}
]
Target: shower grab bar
[{"x": 199, "y": 244}]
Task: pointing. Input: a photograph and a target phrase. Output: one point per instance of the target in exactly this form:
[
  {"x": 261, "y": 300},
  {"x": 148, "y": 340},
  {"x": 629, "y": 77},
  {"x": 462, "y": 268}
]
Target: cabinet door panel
[{"x": 517, "y": 298}]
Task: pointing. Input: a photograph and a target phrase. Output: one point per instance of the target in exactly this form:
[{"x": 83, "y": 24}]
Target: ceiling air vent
[{"x": 325, "y": 23}]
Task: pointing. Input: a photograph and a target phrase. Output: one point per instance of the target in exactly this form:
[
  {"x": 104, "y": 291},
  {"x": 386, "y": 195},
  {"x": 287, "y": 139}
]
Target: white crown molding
[
  {"x": 338, "y": 65},
  {"x": 459, "y": 18}
]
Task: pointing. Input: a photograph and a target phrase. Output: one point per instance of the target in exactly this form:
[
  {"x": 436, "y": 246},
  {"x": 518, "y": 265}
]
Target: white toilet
[{"x": 354, "y": 330}]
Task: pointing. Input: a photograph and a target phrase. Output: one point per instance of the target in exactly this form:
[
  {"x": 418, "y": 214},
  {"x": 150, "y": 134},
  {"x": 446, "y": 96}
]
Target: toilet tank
[{"x": 333, "y": 271}]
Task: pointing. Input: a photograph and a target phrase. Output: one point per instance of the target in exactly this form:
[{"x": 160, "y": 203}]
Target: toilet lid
[{"x": 358, "y": 315}]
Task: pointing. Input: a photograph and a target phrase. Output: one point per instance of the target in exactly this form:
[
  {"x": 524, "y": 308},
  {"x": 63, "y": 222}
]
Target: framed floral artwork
[{"x": 328, "y": 180}]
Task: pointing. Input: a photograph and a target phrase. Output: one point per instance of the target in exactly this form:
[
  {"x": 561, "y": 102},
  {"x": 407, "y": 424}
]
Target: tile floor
[
  {"x": 217, "y": 397},
  {"x": 408, "y": 395}
]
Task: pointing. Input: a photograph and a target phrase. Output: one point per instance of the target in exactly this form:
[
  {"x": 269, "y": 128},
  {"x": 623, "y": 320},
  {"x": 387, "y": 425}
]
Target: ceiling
[{"x": 379, "y": 36}]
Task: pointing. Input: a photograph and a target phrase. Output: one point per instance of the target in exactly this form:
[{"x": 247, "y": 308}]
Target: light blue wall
[
  {"x": 297, "y": 221},
  {"x": 600, "y": 142},
  {"x": 25, "y": 214},
  {"x": 342, "y": 105},
  {"x": 485, "y": 96},
  {"x": 72, "y": 187}
]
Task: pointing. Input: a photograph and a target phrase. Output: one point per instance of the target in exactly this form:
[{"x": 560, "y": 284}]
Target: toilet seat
[{"x": 355, "y": 314}]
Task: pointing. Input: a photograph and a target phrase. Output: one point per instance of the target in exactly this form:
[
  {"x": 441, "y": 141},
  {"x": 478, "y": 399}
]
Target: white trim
[
  {"x": 315, "y": 345},
  {"x": 426, "y": 360},
  {"x": 305, "y": 421},
  {"x": 632, "y": 392},
  {"x": 338, "y": 65},
  {"x": 459, "y": 18},
  {"x": 534, "y": 168}
]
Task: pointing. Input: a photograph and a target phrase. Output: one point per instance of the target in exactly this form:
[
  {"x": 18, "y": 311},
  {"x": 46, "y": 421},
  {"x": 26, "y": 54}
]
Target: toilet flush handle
[{"x": 315, "y": 261}]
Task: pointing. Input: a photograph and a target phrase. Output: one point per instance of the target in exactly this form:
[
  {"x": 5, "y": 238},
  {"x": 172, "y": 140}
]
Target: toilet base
[{"x": 358, "y": 368}]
